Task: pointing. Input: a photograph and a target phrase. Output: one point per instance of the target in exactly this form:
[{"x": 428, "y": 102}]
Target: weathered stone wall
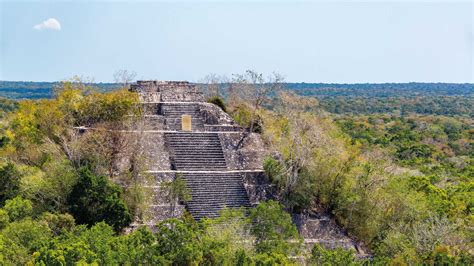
[
  {"x": 243, "y": 151},
  {"x": 187, "y": 93},
  {"x": 154, "y": 149},
  {"x": 214, "y": 115},
  {"x": 258, "y": 187},
  {"x": 167, "y": 91},
  {"x": 151, "y": 97},
  {"x": 158, "y": 205},
  {"x": 319, "y": 228}
]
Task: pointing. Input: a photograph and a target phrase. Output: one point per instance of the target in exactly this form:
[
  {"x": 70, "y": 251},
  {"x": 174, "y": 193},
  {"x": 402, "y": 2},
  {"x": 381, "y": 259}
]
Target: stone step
[
  {"x": 213, "y": 206},
  {"x": 212, "y": 192},
  {"x": 193, "y": 139},
  {"x": 197, "y": 145},
  {"x": 180, "y": 113},
  {"x": 218, "y": 190},
  {"x": 202, "y": 168},
  {"x": 200, "y": 165},
  {"x": 231, "y": 196},
  {"x": 191, "y": 134},
  {"x": 173, "y": 113},
  {"x": 197, "y": 157},
  {"x": 198, "y": 152},
  {"x": 198, "y": 162},
  {"x": 231, "y": 182}
]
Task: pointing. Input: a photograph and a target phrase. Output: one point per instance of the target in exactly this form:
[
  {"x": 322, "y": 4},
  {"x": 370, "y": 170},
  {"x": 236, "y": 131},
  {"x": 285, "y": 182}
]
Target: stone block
[{"x": 186, "y": 124}]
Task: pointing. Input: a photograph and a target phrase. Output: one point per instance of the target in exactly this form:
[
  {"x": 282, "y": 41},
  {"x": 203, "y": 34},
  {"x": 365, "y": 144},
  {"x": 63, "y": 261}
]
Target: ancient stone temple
[{"x": 183, "y": 135}]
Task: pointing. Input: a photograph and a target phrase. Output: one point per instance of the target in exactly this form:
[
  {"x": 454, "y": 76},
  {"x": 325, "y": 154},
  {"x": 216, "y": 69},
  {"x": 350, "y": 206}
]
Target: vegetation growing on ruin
[{"x": 400, "y": 183}]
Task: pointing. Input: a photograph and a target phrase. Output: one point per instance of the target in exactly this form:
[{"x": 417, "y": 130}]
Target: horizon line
[{"x": 285, "y": 82}]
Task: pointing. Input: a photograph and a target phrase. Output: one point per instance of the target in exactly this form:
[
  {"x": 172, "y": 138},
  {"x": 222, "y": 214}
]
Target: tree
[
  {"x": 212, "y": 85},
  {"x": 4, "y": 219},
  {"x": 138, "y": 248},
  {"x": 22, "y": 238},
  {"x": 309, "y": 152},
  {"x": 124, "y": 77},
  {"x": 175, "y": 191},
  {"x": 338, "y": 256},
  {"x": 178, "y": 242},
  {"x": 254, "y": 89},
  {"x": 274, "y": 230},
  {"x": 18, "y": 208},
  {"x": 217, "y": 100},
  {"x": 49, "y": 187},
  {"x": 226, "y": 240},
  {"x": 9, "y": 182},
  {"x": 95, "y": 198}
]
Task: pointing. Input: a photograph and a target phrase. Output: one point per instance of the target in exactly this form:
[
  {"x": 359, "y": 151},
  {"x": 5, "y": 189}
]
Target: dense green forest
[
  {"x": 400, "y": 182},
  {"x": 422, "y": 98},
  {"x": 41, "y": 90}
]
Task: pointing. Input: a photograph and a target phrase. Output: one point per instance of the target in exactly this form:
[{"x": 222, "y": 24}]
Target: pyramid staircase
[
  {"x": 173, "y": 113},
  {"x": 200, "y": 159}
]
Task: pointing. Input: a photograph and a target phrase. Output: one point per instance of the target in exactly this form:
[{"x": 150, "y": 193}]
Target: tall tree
[{"x": 255, "y": 89}]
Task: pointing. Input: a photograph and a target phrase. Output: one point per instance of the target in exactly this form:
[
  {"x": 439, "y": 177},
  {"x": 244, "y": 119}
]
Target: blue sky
[{"x": 342, "y": 42}]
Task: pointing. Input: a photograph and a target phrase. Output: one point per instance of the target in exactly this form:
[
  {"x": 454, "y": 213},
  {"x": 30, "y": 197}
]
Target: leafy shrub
[
  {"x": 217, "y": 100},
  {"x": 95, "y": 199},
  {"x": 178, "y": 242},
  {"x": 273, "y": 169},
  {"x": 9, "y": 182},
  {"x": 338, "y": 256},
  {"x": 273, "y": 228},
  {"x": 4, "y": 218},
  {"x": 18, "y": 208},
  {"x": 243, "y": 116}
]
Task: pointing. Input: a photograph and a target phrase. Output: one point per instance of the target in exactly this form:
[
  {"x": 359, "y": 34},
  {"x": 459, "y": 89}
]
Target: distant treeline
[
  {"x": 382, "y": 89},
  {"x": 427, "y": 105},
  {"x": 39, "y": 90},
  {"x": 35, "y": 90},
  {"x": 449, "y": 99}
]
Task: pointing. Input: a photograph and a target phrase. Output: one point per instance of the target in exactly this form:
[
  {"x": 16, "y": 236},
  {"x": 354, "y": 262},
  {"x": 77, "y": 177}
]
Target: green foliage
[
  {"x": 95, "y": 198},
  {"x": 7, "y": 106},
  {"x": 273, "y": 169},
  {"x": 338, "y": 256},
  {"x": 401, "y": 183},
  {"x": 9, "y": 182},
  {"x": 402, "y": 214},
  {"x": 226, "y": 240},
  {"x": 457, "y": 105},
  {"x": 18, "y": 208},
  {"x": 219, "y": 101},
  {"x": 58, "y": 223},
  {"x": 99, "y": 245},
  {"x": 177, "y": 190},
  {"x": 178, "y": 242},
  {"x": 112, "y": 107},
  {"x": 242, "y": 115},
  {"x": 49, "y": 187},
  {"x": 26, "y": 234},
  {"x": 268, "y": 259},
  {"x": 4, "y": 218},
  {"x": 444, "y": 255},
  {"x": 274, "y": 230}
]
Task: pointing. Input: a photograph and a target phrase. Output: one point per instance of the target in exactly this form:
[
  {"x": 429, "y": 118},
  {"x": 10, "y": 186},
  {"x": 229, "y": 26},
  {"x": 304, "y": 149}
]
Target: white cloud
[{"x": 49, "y": 24}]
